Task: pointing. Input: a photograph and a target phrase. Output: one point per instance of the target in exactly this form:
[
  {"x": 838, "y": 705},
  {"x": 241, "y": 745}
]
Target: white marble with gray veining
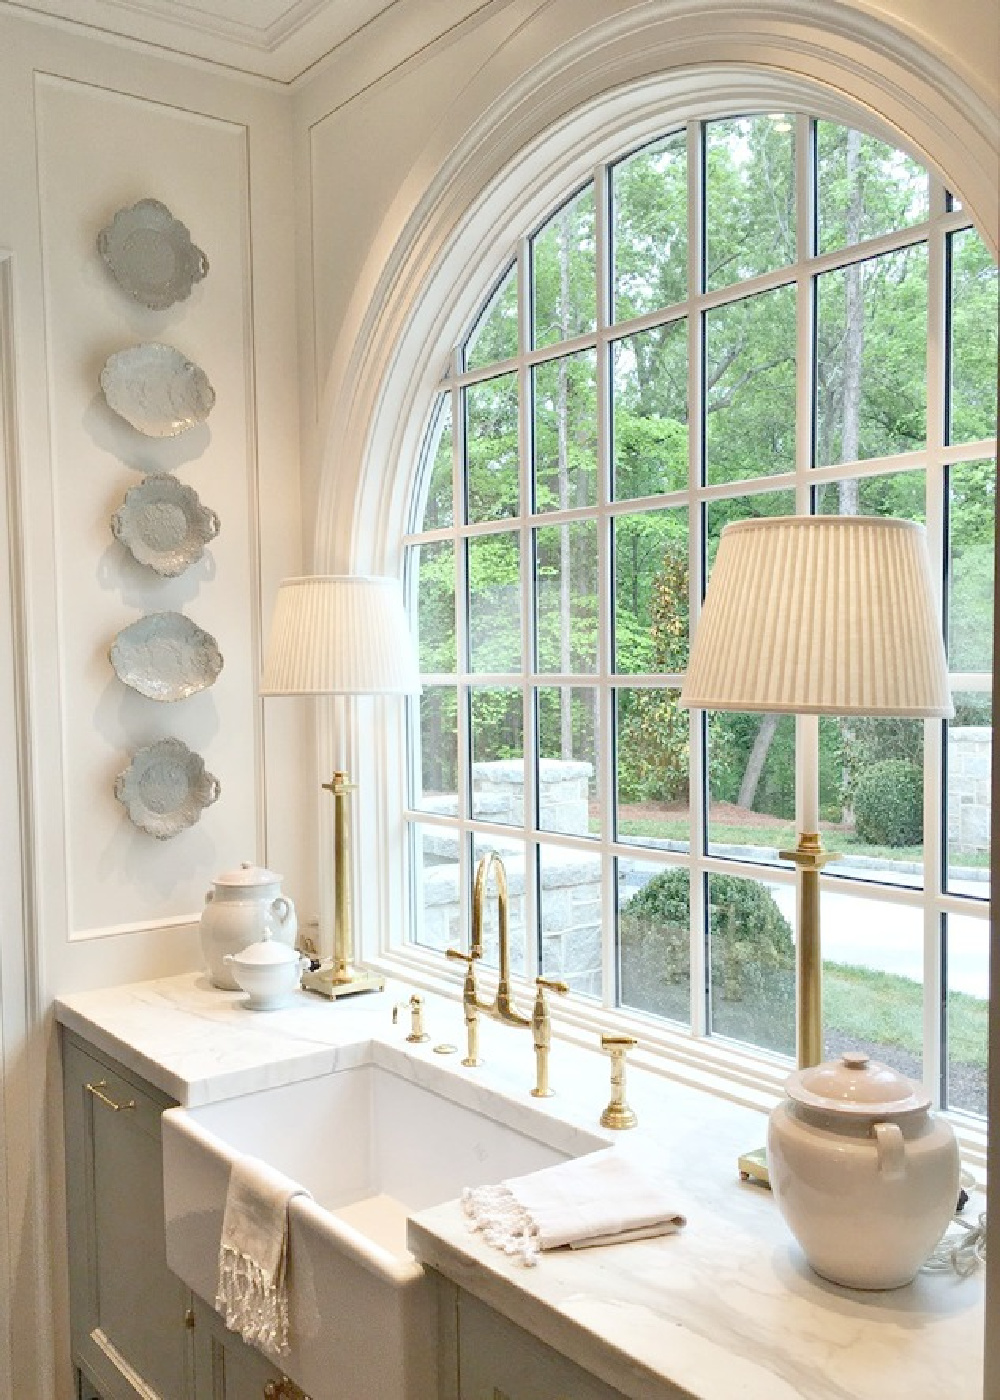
[{"x": 726, "y": 1310}]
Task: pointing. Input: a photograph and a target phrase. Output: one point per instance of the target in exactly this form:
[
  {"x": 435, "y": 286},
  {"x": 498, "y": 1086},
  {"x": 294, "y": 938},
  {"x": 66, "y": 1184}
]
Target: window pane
[
  {"x": 497, "y": 725},
  {"x": 491, "y": 449},
  {"x": 751, "y": 785},
  {"x": 566, "y": 597},
  {"x": 872, "y": 796},
  {"x": 968, "y": 960},
  {"x": 564, "y": 273},
  {"x": 651, "y": 592},
  {"x": 974, "y": 313},
  {"x": 719, "y": 514},
  {"x": 649, "y": 228},
  {"x": 871, "y": 358},
  {"x": 971, "y": 504},
  {"x": 495, "y": 602},
  {"x": 435, "y": 854},
  {"x": 752, "y": 961},
  {"x": 750, "y": 387},
  {"x": 970, "y": 747},
  {"x": 438, "y": 776},
  {"x": 565, "y": 432},
  {"x": 653, "y": 736},
  {"x": 654, "y": 922},
  {"x": 433, "y": 566},
  {"x": 899, "y": 494},
  {"x": 873, "y": 980},
  {"x": 568, "y": 767},
  {"x": 494, "y": 336},
  {"x": 864, "y": 187},
  {"x": 434, "y": 506},
  {"x": 650, "y": 412},
  {"x": 570, "y": 912},
  {"x": 749, "y": 197}
]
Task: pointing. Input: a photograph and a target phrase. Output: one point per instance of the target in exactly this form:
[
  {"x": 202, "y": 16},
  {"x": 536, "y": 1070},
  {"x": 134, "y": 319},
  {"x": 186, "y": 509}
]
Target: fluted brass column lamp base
[
  {"x": 809, "y": 858},
  {"x": 341, "y": 977}
]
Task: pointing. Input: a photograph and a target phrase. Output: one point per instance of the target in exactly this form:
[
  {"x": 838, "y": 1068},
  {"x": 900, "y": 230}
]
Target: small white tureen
[
  {"x": 267, "y": 971},
  {"x": 864, "y": 1175}
]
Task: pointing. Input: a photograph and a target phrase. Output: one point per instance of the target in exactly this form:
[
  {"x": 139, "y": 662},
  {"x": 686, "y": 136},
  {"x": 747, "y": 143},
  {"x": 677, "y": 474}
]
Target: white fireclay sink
[{"x": 373, "y": 1142}]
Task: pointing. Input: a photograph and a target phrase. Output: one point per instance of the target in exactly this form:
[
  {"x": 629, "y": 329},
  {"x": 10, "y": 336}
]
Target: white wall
[{"x": 87, "y": 128}]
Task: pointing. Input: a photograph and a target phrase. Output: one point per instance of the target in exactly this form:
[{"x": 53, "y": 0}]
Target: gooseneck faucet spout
[{"x": 503, "y": 1008}]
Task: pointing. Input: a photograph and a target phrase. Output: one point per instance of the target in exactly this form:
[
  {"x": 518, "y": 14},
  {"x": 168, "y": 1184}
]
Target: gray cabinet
[
  {"x": 137, "y": 1333},
  {"x": 496, "y": 1360}
]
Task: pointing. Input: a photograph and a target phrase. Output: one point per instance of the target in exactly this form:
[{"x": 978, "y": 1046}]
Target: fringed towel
[
  {"x": 601, "y": 1198},
  {"x": 253, "y": 1254}
]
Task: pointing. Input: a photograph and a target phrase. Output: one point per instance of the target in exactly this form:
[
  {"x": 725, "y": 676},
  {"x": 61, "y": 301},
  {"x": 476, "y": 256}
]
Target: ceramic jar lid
[
  {"x": 857, "y": 1086},
  {"x": 249, "y": 876},
  {"x": 266, "y": 953}
]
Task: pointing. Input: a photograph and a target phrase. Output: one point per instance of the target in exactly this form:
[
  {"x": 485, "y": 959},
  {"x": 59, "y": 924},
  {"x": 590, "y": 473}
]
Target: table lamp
[
  {"x": 340, "y": 635},
  {"x": 818, "y": 615}
]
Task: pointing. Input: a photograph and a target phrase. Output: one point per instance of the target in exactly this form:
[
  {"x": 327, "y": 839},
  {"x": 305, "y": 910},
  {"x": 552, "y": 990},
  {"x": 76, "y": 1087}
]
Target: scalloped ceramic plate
[
  {"x": 165, "y": 656},
  {"x": 156, "y": 389},
  {"x": 165, "y": 788},
  {"x": 164, "y": 525},
  {"x": 150, "y": 255}
]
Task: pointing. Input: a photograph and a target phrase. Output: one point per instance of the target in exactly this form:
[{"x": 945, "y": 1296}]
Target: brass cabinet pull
[{"x": 98, "y": 1092}]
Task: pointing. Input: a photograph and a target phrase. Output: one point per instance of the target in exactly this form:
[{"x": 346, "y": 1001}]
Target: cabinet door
[
  {"x": 225, "y": 1368},
  {"x": 129, "y": 1334},
  {"x": 500, "y": 1361}
]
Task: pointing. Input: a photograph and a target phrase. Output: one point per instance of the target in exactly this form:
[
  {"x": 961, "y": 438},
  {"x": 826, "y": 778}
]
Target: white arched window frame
[{"x": 449, "y": 274}]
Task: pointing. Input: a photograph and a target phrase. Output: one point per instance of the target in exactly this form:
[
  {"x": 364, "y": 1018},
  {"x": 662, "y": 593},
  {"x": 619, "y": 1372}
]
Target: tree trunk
[{"x": 756, "y": 761}]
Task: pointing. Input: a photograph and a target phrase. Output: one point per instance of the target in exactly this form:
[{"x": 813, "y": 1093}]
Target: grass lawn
[{"x": 886, "y": 1008}]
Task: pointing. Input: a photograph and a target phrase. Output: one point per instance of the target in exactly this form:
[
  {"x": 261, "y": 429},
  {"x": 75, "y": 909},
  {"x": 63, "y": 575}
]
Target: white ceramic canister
[
  {"x": 243, "y": 907},
  {"x": 865, "y": 1176},
  {"x": 268, "y": 972}
]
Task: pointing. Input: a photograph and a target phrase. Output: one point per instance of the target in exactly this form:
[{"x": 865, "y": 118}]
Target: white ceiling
[{"x": 277, "y": 39}]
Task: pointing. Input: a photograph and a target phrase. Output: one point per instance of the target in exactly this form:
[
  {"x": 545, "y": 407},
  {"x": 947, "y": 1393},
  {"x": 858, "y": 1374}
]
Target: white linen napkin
[
  {"x": 253, "y": 1253},
  {"x": 602, "y": 1198}
]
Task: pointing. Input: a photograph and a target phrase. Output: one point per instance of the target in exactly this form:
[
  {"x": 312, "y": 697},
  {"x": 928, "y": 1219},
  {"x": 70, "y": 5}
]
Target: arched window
[{"x": 755, "y": 314}]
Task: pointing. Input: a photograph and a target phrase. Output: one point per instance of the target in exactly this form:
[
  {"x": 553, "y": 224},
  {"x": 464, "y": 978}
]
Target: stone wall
[{"x": 969, "y": 754}]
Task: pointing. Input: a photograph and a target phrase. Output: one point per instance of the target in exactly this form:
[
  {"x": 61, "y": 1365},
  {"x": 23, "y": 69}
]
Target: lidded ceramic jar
[
  {"x": 243, "y": 907},
  {"x": 864, "y": 1175},
  {"x": 267, "y": 971}
]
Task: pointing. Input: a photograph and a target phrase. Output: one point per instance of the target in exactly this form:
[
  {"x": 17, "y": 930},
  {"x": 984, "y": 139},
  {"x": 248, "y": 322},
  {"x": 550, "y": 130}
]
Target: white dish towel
[
  {"x": 602, "y": 1198},
  {"x": 253, "y": 1254}
]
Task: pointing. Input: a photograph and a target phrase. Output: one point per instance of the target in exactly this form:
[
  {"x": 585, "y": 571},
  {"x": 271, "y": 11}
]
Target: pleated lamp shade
[
  {"x": 340, "y": 635},
  {"x": 820, "y": 615}
]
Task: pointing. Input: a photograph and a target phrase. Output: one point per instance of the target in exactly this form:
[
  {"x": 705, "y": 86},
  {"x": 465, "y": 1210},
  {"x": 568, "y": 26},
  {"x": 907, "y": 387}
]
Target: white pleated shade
[
  {"x": 820, "y": 615},
  {"x": 340, "y": 635}
]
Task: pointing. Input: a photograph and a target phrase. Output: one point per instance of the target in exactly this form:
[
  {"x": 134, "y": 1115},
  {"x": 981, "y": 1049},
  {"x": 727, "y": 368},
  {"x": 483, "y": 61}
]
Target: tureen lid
[
  {"x": 247, "y": 876},
  {"x": 856, "y": 1085},
  {"x": 266, "y": 953}
]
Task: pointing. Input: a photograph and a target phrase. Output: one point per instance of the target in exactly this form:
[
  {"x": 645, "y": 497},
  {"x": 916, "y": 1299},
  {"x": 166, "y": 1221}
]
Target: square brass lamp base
[
  {"x": 753, "y": 1167},
  {"x": 327, "y": 982}
]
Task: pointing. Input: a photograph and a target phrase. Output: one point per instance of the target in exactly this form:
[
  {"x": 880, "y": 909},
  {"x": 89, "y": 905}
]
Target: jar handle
[
  {"x": 282, "y": 908},
  {"x": 890, "y": 1149}
]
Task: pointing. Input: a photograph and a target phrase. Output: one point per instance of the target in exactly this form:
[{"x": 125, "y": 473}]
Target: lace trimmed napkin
[
  {"x": 253, "y": 1254},
  {"x": 602, "y": 1198}
]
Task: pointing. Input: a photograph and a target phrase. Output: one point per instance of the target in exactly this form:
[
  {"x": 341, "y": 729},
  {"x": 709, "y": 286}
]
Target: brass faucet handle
[
  {"x": 459, "y": 956},
  {"x": 618, "y": 1114},
  {"x": 415, "y": 1006},
  {"x": 551, "y": 985}
]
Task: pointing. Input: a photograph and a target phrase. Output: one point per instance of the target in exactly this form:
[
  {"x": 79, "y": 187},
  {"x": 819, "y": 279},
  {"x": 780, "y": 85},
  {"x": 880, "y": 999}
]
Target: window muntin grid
[{"x": 646, "y": 462}]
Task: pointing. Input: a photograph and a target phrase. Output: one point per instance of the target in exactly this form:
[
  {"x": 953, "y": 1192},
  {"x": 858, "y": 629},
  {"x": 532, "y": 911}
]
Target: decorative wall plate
[
  {"x": 156, "y": 389},
  {"x": 150, "y": 254},
  {"x": 165, "y": 656},
  {"x": 166, "y": 788},
  {"x": 164, "y": 524}
]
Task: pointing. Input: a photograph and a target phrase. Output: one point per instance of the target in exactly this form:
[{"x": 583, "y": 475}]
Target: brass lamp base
[
  {"x": 329, "y": 983},
  {"x": 753, "y": 1167}
]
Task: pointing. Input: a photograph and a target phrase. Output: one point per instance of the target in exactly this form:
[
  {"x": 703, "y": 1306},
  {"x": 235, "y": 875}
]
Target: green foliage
[
  {"x": 750, "y": 938},
  {"x": 888, "y": 803}
]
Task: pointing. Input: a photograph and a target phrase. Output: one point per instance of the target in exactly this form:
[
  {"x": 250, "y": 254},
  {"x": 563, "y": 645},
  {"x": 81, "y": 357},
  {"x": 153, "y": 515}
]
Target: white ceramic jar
[
  {"x": 243, "y": 906},
  {"x": 864, "y": 1175},
  {"x": 268, "y": 972}
]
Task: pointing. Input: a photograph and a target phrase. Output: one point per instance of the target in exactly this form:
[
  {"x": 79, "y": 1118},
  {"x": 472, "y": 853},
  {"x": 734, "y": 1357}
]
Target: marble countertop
[{"x": 727, "y": 1309}]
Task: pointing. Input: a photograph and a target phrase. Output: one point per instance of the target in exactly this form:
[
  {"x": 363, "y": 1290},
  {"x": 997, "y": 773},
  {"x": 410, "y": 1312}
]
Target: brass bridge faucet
[{"x": 502, "y": 1007}]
